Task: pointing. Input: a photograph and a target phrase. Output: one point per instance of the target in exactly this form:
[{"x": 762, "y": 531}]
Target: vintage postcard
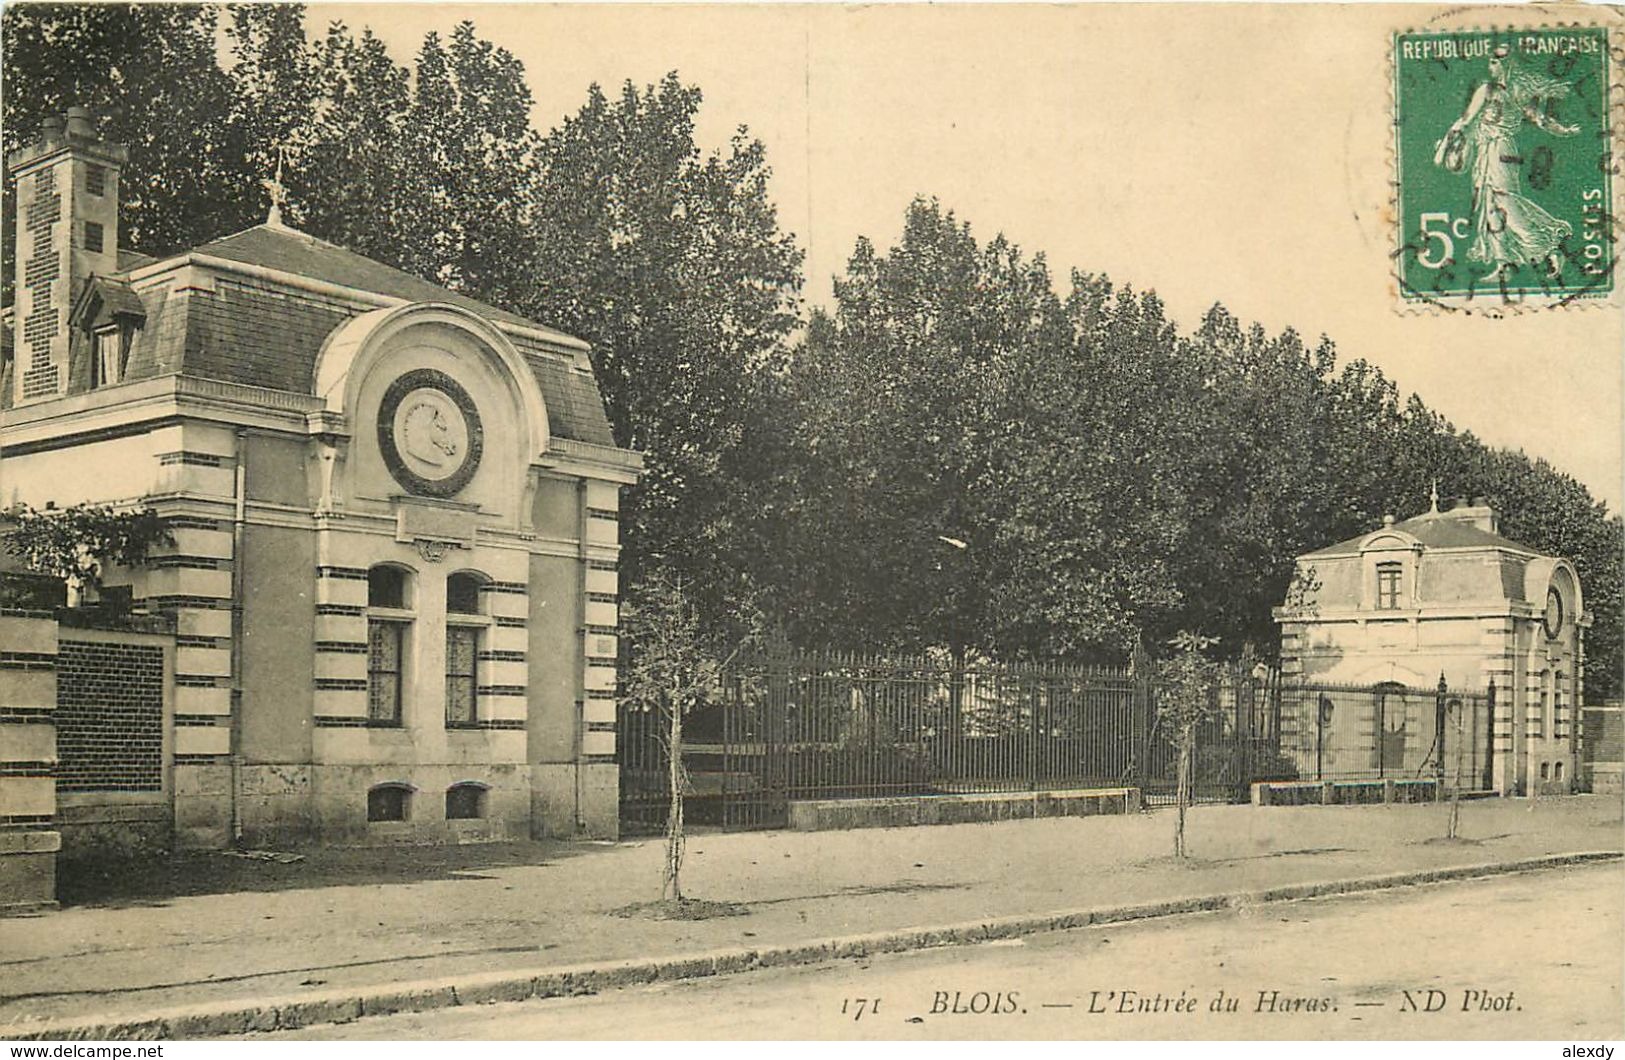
[{"x": 738, "y": 522}]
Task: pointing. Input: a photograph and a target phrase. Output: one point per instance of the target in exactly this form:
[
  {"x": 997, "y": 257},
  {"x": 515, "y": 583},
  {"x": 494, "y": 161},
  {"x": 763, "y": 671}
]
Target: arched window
[
  {"x": 389, "y": 802},
  {"x": 386, "y": 587},
  {"x": 464, "y": 632},
  {"x": 463, "y": 593},
  {"x": 389, "y": 621},
  {"x": 466, "y": 801}
]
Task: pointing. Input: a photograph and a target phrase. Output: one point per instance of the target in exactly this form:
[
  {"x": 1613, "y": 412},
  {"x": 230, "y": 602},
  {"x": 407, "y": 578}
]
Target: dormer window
[
  {"x": 108, "y": 314},
  {"x": 1388, "y": 582},
  {"x": 112, "y": 344}
]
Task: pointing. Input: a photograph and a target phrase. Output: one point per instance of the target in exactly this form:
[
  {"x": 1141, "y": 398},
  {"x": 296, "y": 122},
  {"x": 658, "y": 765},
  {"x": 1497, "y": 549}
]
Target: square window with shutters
[
  {"x": 384, "y": 643},
  {"x": 462, "y": 650},
  {"x": 96, "y": 180}
]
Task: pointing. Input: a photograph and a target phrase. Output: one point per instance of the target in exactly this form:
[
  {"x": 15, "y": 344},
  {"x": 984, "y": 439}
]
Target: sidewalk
[{"x": 215, "y": 929}]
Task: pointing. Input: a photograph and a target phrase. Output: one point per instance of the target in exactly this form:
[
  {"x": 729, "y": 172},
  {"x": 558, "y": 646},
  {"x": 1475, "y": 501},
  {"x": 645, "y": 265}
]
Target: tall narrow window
[
  {"x": 109, "y": 363},
  {"x": 93, "y": 237},
  {"x": 1537, "y": 717},
  {"x": 1388, "y": 576},
  {"x": 462, "y": 650},
  {"x": 387, "y": 626},
  {"x": 384, "y": 671},
  {"x": 462, "y": 693}
]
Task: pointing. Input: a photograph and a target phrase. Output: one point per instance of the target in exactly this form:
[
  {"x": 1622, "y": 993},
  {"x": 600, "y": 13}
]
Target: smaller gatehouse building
[{"x": 1444, "y": 597}]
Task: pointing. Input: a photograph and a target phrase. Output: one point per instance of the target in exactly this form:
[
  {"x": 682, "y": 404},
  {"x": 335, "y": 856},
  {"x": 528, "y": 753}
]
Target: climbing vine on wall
[{"x": 75, "y": 544}]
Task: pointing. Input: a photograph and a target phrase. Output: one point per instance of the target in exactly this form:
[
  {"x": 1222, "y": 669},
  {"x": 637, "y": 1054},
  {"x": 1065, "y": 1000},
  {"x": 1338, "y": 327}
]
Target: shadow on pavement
[{"x": 154, "y": 881}]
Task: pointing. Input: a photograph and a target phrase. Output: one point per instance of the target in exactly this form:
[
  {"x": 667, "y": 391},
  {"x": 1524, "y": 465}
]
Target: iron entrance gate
[{"x": 1387, "y": 732}]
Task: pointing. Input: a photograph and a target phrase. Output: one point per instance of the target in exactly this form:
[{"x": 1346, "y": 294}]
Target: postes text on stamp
[{"x": 1503, "y": 154}]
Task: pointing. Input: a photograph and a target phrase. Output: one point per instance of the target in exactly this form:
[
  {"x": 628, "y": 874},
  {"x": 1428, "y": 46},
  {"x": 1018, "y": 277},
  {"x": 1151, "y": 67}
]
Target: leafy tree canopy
[{"x": 956, "y": 454}]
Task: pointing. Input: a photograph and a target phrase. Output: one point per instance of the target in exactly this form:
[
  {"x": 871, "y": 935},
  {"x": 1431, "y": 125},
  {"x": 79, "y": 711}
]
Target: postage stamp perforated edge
[{"x": 1500, "y": 301}]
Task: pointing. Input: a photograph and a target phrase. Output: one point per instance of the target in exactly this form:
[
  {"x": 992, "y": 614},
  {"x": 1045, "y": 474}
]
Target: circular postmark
[{"x": 429, "y": 433}]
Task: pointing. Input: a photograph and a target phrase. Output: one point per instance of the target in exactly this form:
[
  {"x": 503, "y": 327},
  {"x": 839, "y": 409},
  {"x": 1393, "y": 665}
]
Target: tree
[
  {"x": 149, "y": 73},
  {"x": 274, "y": 82},
  {"x": 1187, "y": 697},
  {"x": 76, "y": 544},
  {"x": 1099, "y": 433},
  {"x": 892, "y": 429},
  {"x": 671, "y": 263},
  {"x": 465, "y": 168},
  {"x": 670, "y": 670},
  {"x": 350, "y": 176}
]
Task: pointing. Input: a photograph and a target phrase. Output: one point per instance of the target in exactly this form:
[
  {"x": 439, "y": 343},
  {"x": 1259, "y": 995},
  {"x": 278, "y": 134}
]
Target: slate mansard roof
[
  {"x": 260, "y": 326},
  {"x": 1433, "y": 530}
]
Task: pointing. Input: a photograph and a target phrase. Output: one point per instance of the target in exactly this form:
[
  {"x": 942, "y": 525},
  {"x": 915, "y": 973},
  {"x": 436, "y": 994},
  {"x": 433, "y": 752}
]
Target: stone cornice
[
  {"x": 1487, "y": 609},
  {"x": 131, "y": 408},
  {"x": 623, "y": 466}
]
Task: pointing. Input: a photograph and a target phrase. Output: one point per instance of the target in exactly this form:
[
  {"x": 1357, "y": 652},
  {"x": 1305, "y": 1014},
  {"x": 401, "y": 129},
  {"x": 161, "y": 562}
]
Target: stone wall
[
  {"x": 1602, "y": 750},
  {"x": 29, "y": 839}
]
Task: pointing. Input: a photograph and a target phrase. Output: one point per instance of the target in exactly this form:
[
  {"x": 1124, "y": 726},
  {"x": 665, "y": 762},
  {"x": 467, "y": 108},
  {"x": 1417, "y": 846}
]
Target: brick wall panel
[{"x": 109, "y": 717}]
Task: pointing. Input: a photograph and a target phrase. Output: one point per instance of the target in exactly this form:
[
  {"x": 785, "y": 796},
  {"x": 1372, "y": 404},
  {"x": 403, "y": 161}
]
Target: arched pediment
[
  {"x": 353, "y": 347},
  {"x": 1545, "y": 573},
  {"x": 1389, "y": 539}
]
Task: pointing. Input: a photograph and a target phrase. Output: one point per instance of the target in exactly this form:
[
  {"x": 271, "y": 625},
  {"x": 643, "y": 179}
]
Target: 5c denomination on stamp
[{"x": 1504, "y": 158}]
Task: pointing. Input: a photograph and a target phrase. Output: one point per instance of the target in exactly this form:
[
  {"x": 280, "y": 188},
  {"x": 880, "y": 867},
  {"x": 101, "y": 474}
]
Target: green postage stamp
[{"x": 1503, "y": 152}]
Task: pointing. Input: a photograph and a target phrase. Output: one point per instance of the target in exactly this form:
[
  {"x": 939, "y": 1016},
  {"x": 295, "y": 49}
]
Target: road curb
[{"x": 220, "y": 1019}]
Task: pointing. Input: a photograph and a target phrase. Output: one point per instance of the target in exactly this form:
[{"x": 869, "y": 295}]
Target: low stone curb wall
[
  {"x": 344, "y": 1004},
  {"x": 1342, "y": 792},
  {"x": 825, "y": 815}
]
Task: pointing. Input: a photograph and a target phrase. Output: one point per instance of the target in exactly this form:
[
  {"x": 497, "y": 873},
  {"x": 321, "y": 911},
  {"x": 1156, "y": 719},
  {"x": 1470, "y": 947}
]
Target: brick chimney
[
  {"x": 1478, "y": 513},
  {"x": 67, "y": 230}
]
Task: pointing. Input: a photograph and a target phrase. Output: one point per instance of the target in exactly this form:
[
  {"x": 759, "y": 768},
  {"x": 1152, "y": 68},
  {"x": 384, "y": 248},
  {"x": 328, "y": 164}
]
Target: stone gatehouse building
[
  {"x": 392, "y": 587},
  {"x": 1445, "y": 595}
]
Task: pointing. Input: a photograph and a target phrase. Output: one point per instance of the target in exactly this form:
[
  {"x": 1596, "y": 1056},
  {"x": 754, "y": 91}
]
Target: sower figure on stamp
[{"x": 1509, "y": 229}]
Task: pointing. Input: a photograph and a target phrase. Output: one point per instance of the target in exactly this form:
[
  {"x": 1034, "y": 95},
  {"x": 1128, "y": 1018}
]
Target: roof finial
[
  {"x": 1434, "y": 496},
  {"x": 276, "y": 190}
]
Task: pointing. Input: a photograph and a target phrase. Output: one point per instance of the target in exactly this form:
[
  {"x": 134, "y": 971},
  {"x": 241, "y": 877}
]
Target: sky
[{"x": 1235, "y": 154}]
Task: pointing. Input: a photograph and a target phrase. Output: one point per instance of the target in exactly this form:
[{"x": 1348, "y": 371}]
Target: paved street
[
  {"x": 1497, "y": 961},
  {"x": 208, "y": 930}
]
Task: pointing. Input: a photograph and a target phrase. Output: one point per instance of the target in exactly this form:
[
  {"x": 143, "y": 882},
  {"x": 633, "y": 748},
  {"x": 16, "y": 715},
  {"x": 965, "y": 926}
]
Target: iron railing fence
[
  {"x": 821, "y": 725},
  {"x": 1233, "y": 744},
  {"x": 804, "y": 725}
]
